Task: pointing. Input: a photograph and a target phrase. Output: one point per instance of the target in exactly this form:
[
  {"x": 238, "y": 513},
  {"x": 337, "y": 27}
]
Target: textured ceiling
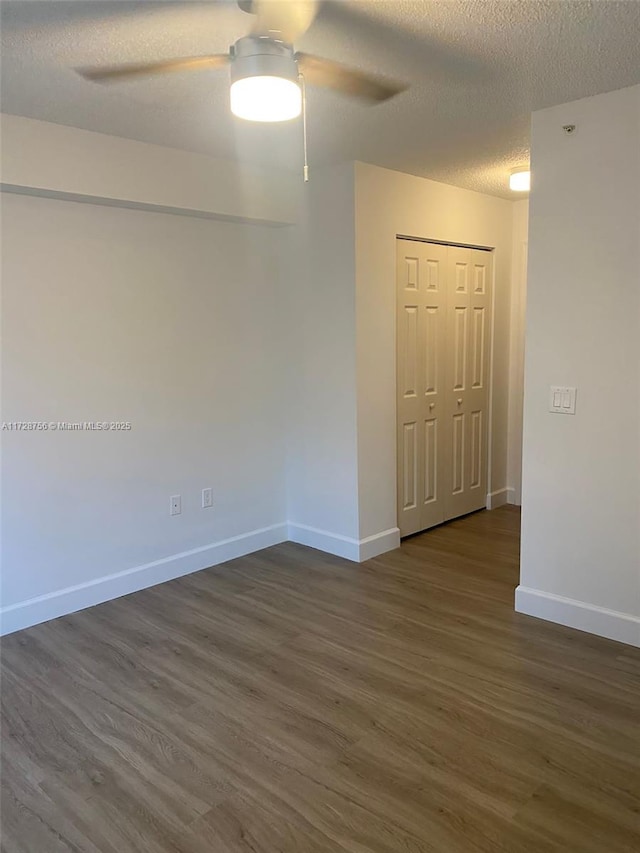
[{"x": 476, "y": 68}]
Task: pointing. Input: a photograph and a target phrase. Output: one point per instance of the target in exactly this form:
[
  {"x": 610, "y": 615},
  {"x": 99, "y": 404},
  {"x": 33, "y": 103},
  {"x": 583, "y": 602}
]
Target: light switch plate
[{"x": 562, "y": 400}]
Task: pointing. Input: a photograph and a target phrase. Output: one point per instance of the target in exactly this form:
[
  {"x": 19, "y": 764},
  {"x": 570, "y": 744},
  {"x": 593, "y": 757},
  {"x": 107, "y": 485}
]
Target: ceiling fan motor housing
[{"x": 258, "y": 56}]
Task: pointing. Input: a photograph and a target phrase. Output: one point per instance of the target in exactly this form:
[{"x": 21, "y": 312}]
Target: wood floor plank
[
  {"x": 293, "y": 702},
  {"x": 247, "y": 826}
]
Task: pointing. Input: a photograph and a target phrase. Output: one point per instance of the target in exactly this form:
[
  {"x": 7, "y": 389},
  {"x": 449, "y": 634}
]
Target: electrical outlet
[
  {"x": 175, "y": 505},
  {"x": 207, "y": 498}
]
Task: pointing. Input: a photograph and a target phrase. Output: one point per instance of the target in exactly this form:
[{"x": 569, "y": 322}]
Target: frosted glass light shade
[
  {"x": 520, "y": 181},
  {"x": 266, "y": 98}
]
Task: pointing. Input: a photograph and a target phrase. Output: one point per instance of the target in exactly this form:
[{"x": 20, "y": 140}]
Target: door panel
[
  {"x": 430, "y": 346},
  {"x": 467, "y": 399},
  {"x": 410, "y": 354},
  {"x": 443, "y": 328},
  {"x": 475, "y": 447},
  {"x": 410, "y": 467},
  {"x": 421, "y": 272},
  {"x": 477, "y": 348},
  {"x": 430, "y": 460},
  {"x": 459, "y": 340},
  {"x": 457, "y": 454}
]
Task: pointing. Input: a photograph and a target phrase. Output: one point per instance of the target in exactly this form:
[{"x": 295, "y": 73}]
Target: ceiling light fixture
[
  {"x": 264, "y": 80},
  {"x": 520, "y": 180}
]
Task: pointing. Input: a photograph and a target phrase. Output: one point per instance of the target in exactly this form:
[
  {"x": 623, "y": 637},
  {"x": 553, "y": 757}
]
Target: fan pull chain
[{"x": 305, "y": 169}]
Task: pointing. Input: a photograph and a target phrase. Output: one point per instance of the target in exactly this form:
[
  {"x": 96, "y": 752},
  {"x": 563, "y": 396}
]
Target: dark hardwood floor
[{"x": 291, "y": 702}]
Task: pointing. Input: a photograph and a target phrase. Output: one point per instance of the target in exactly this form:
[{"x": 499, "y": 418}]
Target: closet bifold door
[
  {"x": 421, "y": 324},
  {"x": 467, "y": 356}
]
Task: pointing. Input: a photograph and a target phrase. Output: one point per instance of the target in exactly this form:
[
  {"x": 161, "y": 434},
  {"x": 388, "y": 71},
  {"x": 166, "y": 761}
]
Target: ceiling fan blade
[
  {"x": 377, "y": 33},
  {"x": 113, "y": 73},
  {"x": 283, "y": 19},
  {"x": 333, "y": 75}
]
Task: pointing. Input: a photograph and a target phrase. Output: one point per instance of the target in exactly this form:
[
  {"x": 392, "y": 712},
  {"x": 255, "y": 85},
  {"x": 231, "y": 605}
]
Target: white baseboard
[
  {"x": 331, "y": 543},
  {"x": 612, "y": 624},
  {"x": 513, "y": 497},
  {"x": 24, "y": 614},
  {"x": 501, "y": 497},
  {"x": 356, "y": 550},
  {"x": 64, "y": 601},
  {"x": 497, "y": 498},
  {"x": 379, "y": 543}
]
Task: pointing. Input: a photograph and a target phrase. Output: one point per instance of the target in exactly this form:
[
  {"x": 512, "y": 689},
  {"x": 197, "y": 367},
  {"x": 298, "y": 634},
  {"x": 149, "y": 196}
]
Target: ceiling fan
[{"x": 267, "y": 75}]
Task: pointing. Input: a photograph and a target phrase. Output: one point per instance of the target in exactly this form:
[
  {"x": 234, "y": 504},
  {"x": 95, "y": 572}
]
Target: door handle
[
  {"x": 432, "y": 405},
  {"x": 459, "y": 401}
]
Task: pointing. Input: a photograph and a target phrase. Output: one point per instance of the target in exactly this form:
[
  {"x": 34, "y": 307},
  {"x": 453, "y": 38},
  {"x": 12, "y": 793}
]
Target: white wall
[
  {"x": 42, "y": 158},
  {"x": 581, "y": 474},
  {"x": 172, "y": 323},
  {"x": 519, "y": 247},
  {"x": 322, "y": 460},
  {"x": 387, "y": 204}
]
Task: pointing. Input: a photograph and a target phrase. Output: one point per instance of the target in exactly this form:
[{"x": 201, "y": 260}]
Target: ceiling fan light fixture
[
  {"x": 266, "y": 98},
  {"x": 264, "y": 80},
  {"x": 520, "y": 180}
]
